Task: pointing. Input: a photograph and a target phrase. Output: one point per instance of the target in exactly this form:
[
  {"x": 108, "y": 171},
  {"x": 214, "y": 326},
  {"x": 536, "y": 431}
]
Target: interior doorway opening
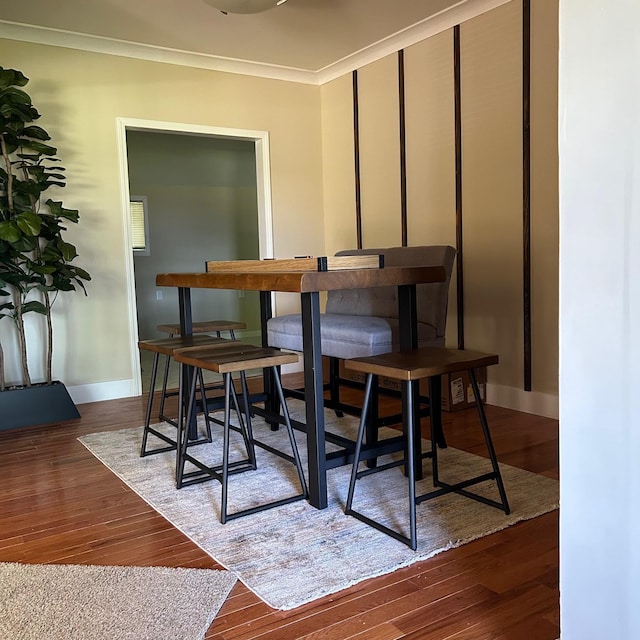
[{"x": 208, "y": 198}]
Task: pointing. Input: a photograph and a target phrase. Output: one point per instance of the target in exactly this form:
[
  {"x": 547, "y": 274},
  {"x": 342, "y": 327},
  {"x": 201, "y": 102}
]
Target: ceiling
[{"x": 305, "y": 36}]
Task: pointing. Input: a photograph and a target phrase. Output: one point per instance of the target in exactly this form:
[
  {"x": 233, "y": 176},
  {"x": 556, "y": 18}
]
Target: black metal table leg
[
  {"x": 408, "y": 323},
  {"x": 272, "y": 401},
  {"x": 313, "y": 389},
  {"x": 435, "y": 418},
  {"x": 186, "y": 329}
]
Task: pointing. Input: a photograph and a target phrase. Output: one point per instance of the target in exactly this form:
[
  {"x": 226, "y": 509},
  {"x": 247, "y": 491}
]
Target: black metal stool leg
[
  {"x": 147, "y": 419},
  {"x": 205, "y": 409},
  {"x": 334, "y": 384},
  {"x": 246, "y": 429},
  {"x": 183, "y": 430},
  {"x": 292, "y": 439},
  {"x": 373, "y": 417},
  {"x": 489, "y": 441},
  {"x": 165, "y": 381},
  {"x": 356, "y": 454},
  {"x": 225, "y": 449},
  {"x": 410, "y": 429},
  {"x": 407, "y": 460},
  {"x": 435, "y": 420}
]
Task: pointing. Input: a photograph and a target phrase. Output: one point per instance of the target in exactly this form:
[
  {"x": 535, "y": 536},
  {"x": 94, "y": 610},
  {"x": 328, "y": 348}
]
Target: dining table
[{"x": 308, "y": 278}]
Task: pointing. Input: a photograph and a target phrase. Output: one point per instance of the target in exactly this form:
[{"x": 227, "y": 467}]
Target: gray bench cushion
[
  {"x": 347, "y": 336},
  {"x": 364, "y": 322}
]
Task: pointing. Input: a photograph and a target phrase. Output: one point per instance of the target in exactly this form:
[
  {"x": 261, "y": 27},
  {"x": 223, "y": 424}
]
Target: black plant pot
[{"x": 36, "y": 405}]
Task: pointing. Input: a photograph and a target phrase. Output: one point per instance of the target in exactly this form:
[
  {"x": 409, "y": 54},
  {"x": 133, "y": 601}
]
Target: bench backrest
[{"x": 382, "y": 302}]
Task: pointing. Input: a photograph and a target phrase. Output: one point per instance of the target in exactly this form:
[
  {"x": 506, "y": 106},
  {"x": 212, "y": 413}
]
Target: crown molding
[
  {"x": 446, "y": 19},
  {"x": 464, "y": 10},
  {"x": 152, "y": 53}
]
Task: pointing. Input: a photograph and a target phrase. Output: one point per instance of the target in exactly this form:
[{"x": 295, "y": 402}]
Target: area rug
[
  {"x": 294, "y": 554},
  {"x": 90, "y": 602}
]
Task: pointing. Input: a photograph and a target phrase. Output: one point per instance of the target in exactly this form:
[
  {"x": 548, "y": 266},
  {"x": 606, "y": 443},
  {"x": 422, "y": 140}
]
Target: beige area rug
[
  {"x": 294, "y": 554},
  {"x": 88, "y": 602}
]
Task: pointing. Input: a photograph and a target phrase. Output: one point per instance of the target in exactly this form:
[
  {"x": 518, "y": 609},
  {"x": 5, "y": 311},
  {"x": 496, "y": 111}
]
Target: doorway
[{"x": 206, "y": 193}]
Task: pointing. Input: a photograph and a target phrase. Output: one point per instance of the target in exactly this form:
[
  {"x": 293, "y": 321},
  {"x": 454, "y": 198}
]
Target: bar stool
[
  {"x": 409, "y": 367},
  {"x": 227, "y": 361},
  {"x": 168, "y": 348},
  {"x": 208, "y": 327}
]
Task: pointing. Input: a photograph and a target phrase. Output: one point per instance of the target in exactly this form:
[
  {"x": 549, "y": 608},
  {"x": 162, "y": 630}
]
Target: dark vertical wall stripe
[
  {"x": 526, "y": 186},
  {"x": 356, "y": 154},
  {"x": 403, "y": 149},
  {"x": 458, "y": 144}
]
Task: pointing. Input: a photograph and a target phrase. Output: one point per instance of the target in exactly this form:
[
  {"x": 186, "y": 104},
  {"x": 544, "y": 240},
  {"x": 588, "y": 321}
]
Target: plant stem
[
  {"x": 7, "y": 163},
  {"x": 2, "y": 381},
  {"x": 26, "y": 378},
  {"x": 47, "y": 303}
]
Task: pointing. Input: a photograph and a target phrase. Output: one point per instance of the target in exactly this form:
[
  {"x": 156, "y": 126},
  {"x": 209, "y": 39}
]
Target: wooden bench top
[
  {"x": 207, "y": 326},
  {"x": 421, "y": 363},
  {"x": 305, "y": 263}
]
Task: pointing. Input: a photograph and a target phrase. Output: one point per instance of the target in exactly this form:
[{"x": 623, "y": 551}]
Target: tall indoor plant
[{"x": 35, "y": 260}]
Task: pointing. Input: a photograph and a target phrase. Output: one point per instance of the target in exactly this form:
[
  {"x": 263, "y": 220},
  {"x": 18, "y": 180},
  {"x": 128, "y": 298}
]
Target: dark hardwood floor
[{"x": 60, "y": 504}]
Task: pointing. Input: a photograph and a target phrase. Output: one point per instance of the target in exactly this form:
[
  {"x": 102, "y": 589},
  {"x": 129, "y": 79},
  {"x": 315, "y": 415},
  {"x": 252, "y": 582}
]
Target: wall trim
[
  {"x": 126, "y": 49},
  {"x": 464, "y": 10},
  {"x": 99, "y": 391},
  {"x": 263, "y": 185},
  {"x": 540, "y": 404}
]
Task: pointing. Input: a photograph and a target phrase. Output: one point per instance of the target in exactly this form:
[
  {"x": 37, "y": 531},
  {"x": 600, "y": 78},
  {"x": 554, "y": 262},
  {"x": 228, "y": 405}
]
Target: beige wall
[
  {"x": 491, "y": 96},
  {"x": 80, "y": 96}
]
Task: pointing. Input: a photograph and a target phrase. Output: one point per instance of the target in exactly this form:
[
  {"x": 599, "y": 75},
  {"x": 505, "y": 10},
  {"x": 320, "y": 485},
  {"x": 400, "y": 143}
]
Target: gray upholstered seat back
[{"x": 382, "y": 302}]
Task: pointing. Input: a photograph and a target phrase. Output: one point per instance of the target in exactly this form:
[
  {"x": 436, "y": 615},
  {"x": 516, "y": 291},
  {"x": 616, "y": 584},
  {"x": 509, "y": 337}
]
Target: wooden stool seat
[
  {"x": 208, "y": 326},
  {"x": 421, "y": 363},
  {"x": 410, "y": 367},
  {"x": 230, "y": 359},
  {"x": 168, "y": 347},
  {"x": 226, "y": 360}
]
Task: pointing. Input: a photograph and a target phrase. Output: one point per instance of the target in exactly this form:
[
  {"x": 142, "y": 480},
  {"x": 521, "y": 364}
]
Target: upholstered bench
[{"x": 364, "y": 322}]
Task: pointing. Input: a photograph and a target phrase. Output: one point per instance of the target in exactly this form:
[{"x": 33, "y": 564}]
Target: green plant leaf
[
  {"x": 9, "y": 77},
  {"x": 81, "y": 273},
  {"x": 43, "y": 269},
  {"x": 9, "y": 231},
  {"x": 34, "y": 305},
  {"x": 67, "y": 250},
  {"x": 29, "y": 223},
  {"x": 56, "y": 209},
  {"x": 40, "y": 147},
  {"x": 36, "y": 132}
]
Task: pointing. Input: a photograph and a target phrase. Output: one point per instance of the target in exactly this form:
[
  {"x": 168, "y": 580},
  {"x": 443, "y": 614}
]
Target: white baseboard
[
  {"x": 540, "y": 404},
  {"x": 98, "y": 391}
]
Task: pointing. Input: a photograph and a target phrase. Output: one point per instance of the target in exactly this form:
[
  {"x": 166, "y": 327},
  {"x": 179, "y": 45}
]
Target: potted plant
[{"x": 35, "y": 260}]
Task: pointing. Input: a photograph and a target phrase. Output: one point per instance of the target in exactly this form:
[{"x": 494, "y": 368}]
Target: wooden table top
[{"x": 302, "y": 281}]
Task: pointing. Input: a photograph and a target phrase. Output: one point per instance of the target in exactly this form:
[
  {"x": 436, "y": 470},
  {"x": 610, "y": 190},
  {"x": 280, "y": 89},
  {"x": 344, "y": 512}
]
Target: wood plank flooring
[{"x": 58, "y": 504}]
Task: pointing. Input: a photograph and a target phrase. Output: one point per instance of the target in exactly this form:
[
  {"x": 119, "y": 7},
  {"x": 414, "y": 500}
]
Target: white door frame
[{"x": 263, "y": 179}]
